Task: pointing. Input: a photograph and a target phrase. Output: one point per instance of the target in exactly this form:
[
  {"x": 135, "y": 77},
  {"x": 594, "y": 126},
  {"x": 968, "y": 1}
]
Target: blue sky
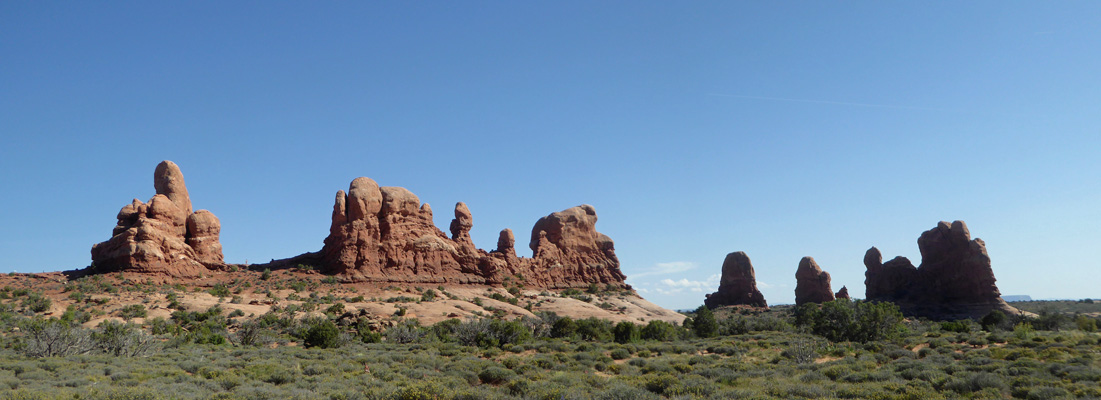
[{"x": 780, "y": 129}]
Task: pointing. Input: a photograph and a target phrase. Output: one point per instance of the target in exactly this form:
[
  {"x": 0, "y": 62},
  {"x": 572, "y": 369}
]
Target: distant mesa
[
  {"x": 812, "y": 283},
  {"x": 384, "y": 234},
  {"x": 738, "y": 285},
  {"x": 163, "y": 235},
  {"x": 1017, "y": 297},
  {"x": 955, "y": 279}
]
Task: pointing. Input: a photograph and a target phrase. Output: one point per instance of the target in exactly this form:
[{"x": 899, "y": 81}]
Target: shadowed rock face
[
  {"x": 738, "y": 285},
  {"x": 384, "y": 234},
  {"x": 812, "y": 283},
  {"x": 955, "y": 279},
  {"x": 162, "y": 236},
  {"x": 892, "y": 279}
]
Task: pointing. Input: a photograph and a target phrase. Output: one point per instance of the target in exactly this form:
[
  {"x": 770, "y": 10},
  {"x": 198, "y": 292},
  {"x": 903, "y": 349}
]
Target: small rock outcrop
[
  {"x": 843, "y": 294},
  {"x": 738, "y": 284},
  {"x": 954, "y": 280},
  {"x": 162, "y": 236},
  {"x": 384, "y": 234},
  {"x": 812, "y": 283}
]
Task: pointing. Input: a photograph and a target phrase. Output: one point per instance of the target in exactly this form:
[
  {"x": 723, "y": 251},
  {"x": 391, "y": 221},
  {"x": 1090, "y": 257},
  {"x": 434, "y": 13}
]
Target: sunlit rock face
[
  {"x": 162, "y": 236},
  {"x": 384, "y": 234}
]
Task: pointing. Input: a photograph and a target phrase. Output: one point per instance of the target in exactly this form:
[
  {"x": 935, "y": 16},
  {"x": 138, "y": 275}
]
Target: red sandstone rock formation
[
  {"x": 891, "y": 279},
  {"x": 386, "y": 235},
  {"x": 162, "y": 236},
  {"x": 738, "y": 285},
  {"x": 843, "y": 294},
  {"x": 812, "y": 283},
  {"x": 567, "y": 248},
  {"x": 955, "y": 279}
]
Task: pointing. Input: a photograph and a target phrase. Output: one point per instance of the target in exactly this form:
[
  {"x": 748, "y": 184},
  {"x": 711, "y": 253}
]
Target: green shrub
[
  {"x": 406, "y": 332},
  {"x": 495, "y": 375},
  {"x": 802, "y": 352},
  {"x": 958, "y": 326},
  {"x": 219, "y": 290},
  {"x": 1052, "y": 321},
  {"x": 322, "y": 333},
  {"x": 119, "y": 339},
  {"x": 563, "y": 327},
  {"x": 335, "y": 309},
  {"x": 1047, "y": 393},
  {"x": 1086, "y": 324},
  {"x": 995, "y": 320},
  {"x": 594, "y": 329},
  {"x": 251, "y": 333},
  {"x": 626, "y": 332},
  {"x": 275, "y": 374},
  {"x": 660, "y": 330},
  {"x": 36, "y": 303},
  {"x": 1023, "y": 331},
  {"x": 133, "y": 311},
  {"x": 620, "y": 354},
  {"x": 661, "y": 384},
  {"x": 844, "y": 320},
  {"x": 704, "y": 324}
]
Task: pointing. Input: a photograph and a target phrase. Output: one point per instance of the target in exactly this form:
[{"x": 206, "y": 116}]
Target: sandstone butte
[
  {"x": 738, "y": 284},
  {"x": 812, "y": 283},
  {"x": 955, "y": 278},
  {"x": 163, "y": 235},
  {"x": 385, "y": 234}
]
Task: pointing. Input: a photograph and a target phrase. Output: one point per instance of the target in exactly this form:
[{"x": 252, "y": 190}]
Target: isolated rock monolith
[
  {"x": 738, "y": 284},
  {"x": 812, "y": 283},
  {"x": 162, "y": 236},
  {"x": 842, "y": 294}
]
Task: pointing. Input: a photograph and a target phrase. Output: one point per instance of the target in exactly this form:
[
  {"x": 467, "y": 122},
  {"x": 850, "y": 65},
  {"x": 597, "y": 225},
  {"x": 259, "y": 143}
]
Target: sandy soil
[{"x": 106, "y": 294}]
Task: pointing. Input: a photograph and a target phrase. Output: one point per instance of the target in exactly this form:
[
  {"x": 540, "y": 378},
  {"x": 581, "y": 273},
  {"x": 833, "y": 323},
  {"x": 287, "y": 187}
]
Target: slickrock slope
[
  {"x": 384, "y": 234},
  {"x": 955, "y": 279},
  {"x": 812, "y": 283},
  {"x": 738, "y": 285},
  {"x": 162, "y": 236}
]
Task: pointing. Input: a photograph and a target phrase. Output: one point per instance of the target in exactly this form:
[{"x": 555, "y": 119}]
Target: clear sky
[{"x": 783, "y": 129}]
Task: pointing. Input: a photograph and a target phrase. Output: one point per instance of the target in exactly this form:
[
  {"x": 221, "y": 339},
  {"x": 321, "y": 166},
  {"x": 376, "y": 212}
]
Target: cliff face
[
  {"x": 954, "y": 280},
  {"x": 384, "y": 234},
  {"x": 162, "y": 236}
]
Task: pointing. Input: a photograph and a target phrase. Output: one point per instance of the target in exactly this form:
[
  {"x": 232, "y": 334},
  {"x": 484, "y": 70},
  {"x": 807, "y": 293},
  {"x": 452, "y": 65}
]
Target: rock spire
[
  {"x": 812, "y": 283},
  {"x": 738, "y": 284}
]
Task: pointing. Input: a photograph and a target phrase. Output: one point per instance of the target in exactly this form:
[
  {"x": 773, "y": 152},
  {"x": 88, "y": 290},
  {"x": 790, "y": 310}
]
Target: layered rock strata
[
  {"x": 163, "y": 235},
  {"x": 812, "y": 283},
  {"x": 738, "y": 284},
  {"x": 954, "y": 280},
  {"x": 384, "y": 234}
]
